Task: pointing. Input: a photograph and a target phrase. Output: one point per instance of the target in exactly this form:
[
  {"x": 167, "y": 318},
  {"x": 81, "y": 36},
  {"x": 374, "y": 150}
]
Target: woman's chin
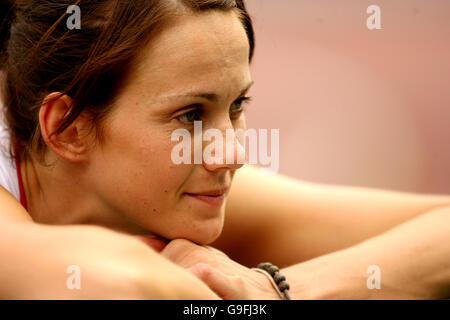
[
  {"x": 202, "y": 233},
  {"x": 193, "y": 226},
  {"x": 205, "y": 239}
]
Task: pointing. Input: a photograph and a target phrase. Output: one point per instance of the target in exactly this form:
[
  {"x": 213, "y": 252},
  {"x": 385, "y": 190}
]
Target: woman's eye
[
  {"x": 237, "y": 107},
  {"x": 190, "y": 116},
  {"x": 195, "y": 114}
]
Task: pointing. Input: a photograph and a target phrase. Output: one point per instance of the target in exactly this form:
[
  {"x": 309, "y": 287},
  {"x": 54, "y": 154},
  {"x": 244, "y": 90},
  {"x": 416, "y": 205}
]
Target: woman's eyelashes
[
  {"x": 238, "y": 106},
  {"x": 196, "y": 114},
  {"x": 190, "y": 116}
]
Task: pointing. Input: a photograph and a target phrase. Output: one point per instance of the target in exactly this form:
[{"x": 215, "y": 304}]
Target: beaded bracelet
[{"x": 276, "y": 278}]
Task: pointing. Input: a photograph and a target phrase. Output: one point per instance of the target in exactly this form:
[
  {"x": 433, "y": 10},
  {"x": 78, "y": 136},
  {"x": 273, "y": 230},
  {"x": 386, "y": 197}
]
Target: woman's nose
[{"x": 224, "y": 151}]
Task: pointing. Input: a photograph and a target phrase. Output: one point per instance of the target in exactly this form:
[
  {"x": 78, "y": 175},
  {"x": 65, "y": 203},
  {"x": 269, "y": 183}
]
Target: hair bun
[{"x": 6, "y": 16}]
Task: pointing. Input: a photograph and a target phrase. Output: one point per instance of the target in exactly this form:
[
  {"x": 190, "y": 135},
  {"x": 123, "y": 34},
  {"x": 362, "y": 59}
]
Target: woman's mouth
[{"x": 214, "y": 198}]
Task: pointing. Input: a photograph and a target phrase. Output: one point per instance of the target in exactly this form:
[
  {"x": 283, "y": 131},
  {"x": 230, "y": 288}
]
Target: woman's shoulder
[
  {"x": 8, "y": 173},
  {"x": 12, "y": 210}
]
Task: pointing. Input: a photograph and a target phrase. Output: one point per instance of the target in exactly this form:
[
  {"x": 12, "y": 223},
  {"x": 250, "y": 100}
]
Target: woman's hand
[{"x": 227, "y": 278}]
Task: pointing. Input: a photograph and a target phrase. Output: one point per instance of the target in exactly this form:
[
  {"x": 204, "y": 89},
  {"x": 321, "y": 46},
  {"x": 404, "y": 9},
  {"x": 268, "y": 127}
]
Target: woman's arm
[
  {"x": 412, "y": 261},
  {"x": 287, "y": 221},
  {"x": 35, "y": 259}
]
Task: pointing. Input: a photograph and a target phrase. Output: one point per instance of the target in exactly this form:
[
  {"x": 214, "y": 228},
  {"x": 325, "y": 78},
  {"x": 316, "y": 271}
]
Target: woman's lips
[{"x": 215, "y": 200}]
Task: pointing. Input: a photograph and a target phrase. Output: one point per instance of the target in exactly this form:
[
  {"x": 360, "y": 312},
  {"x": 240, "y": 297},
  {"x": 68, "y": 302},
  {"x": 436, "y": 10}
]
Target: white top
[{"x": 8, "y": 173}]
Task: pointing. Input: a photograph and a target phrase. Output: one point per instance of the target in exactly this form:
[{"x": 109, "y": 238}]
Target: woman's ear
[{"x": 70, "y": 144}]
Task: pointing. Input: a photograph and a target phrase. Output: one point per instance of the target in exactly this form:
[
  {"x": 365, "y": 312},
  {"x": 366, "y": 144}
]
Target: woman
[{"x": 91, "y": 113}]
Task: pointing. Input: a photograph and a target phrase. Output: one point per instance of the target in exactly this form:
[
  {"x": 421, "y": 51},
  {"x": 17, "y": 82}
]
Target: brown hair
[{"x": 40, "y": 55}]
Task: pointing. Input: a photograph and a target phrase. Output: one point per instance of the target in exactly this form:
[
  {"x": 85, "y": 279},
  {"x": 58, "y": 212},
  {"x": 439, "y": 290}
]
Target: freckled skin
[{"x": 132, "y": 171}]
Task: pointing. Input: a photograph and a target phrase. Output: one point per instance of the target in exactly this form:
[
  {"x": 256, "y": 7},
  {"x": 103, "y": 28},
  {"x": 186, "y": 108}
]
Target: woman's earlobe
[{"x": 68, "y": 144}]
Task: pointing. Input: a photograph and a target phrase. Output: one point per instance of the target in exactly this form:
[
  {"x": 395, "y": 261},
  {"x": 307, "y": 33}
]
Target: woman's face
[{"x": 132, "y": 171}]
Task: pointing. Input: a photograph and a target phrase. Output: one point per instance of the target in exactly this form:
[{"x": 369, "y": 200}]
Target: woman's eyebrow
[{"x": 213, "y": 97}]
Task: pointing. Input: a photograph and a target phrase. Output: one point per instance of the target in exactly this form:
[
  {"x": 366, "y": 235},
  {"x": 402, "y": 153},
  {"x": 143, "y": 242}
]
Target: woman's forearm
[
  {"x": 288, "y": 221},
  {"x": 35, "y": 260},
  {"x": 413, "y": 261},
  {"x": 40, "y": 262}
]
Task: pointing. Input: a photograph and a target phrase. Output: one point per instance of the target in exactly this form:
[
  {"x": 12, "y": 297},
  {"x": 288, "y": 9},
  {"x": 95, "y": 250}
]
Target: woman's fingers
[
  {"x": 225, "y": 286},
  {"x": 225, "y": 277}
]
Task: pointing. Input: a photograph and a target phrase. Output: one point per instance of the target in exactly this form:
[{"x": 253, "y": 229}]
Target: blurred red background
[{"x": 356, "y": 106}]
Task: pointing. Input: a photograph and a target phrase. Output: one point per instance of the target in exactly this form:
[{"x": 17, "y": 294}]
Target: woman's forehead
[
  {"x": 203, "y": 31},
  {"x": 196, "y": 50}
]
